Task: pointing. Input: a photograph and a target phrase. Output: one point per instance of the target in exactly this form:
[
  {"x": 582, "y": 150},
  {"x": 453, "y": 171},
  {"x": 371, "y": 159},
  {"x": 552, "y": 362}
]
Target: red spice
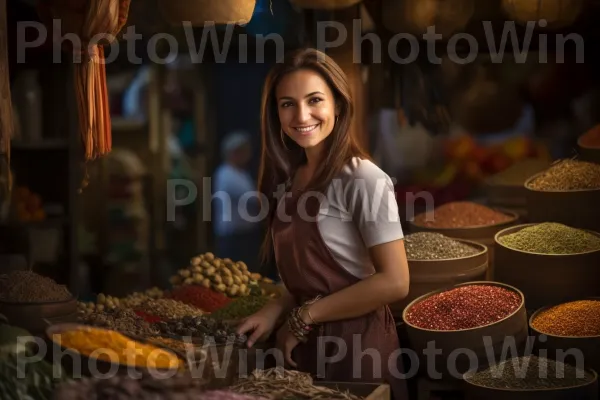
[
  {"x": 200, "y": 297},
  {"x": 147, "y": 317},
  {"x": 461, "y": 214},
  {"x": 464, "y": 307}
]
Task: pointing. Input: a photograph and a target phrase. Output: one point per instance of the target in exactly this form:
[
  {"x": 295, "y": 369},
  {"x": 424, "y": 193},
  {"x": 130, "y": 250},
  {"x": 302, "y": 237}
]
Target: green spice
[
  {"x": 567, "y": 175},
  {"x": 435, "y": 246},
  {"x": 551, "y": 238},
  {"x": 531, "y": 373},
  {"x": 241, "y": 307}
]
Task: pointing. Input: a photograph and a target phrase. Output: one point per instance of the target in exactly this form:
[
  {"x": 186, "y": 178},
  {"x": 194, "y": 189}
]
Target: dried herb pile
[
  {"x": 29, "y": 287},
  {"x": 551, "y": 238},
  {"x": 435, "y": 246},
  {"x": 241, "y": 308},
  {"x": 530, "y": 372},
  {"x": 565, "y": 175},
  {"x": 280, "y": 384}
]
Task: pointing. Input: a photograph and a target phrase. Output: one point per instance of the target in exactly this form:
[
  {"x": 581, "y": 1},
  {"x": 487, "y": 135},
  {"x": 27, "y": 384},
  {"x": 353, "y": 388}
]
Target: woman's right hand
[{"x": 261, "y": 324}]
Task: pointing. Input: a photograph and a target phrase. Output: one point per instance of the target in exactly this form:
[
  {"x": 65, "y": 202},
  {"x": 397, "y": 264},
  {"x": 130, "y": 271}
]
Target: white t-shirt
[{"x": 360, "y": 211}]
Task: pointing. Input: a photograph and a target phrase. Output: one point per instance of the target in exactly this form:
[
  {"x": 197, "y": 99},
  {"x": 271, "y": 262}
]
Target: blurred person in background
[{"x": 237, "y": 233}]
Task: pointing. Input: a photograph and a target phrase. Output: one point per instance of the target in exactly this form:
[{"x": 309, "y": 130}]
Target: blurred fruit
[
  {"x": 460, "y": 148},
  {"x": 472, "y": 171},
  {"x": 517, "y": 148}
]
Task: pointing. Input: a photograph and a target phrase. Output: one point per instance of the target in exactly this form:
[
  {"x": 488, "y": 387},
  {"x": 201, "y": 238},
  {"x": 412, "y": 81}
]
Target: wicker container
[
  {"x": 547, "y": 278},
  {"x": 325, "y": 4},
  {"x": 558, "y": 13},
  {"x": 207, "y": 12},
  {"x": 575, "y": 208},
  {"x": 415, "y": 16},
  {"x": 473, "y": 341},
  {"x": 587, "y": 391},
  {"x": 429, "y": 275},
  {"x": 589, "y": 346},
  {"x": 480, "y": 234}
]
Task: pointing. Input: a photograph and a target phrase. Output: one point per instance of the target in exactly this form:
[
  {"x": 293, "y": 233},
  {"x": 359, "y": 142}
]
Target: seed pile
[
  {"x": 518, "y": 173},
  {"x": 566, "y": 175},
  {"x": 241, "y": 308},
  {"x": 120, "y": 319},
  {"x": 29, "y": 287},
  {"x": 201, "y": 328},
  {"x": 576, "y": 318},
  {"x": 461, "y": 214},
  {"x": 551, "y": 238},
  {"x": 530, "y": 373},
  {"x": 435, "y": 246},
  {"x": 168, "y": 309},
  {"x": 280, "y": 384},
  {"x": 464, "y": 307}
]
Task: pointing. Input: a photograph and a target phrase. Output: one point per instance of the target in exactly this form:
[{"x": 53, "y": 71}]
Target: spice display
[
  {"x": 29, "y": 287},
  {"x": 222, "y": 275},
  {"x": 241, "y": 307},
  {"x": 201, "y": 328},
  {"x": 518, "y": 173},
  {"x": 530, "y": 373},
  {"x": 87, "y": 340},
  {"x": 464, "y": 307},
  {"x": 575, "y": 318},
  {"x": 565, "y": 175},
  {"x": 200, "y": 297},
  {"x": 147, "y": 317},
  {"x": 551, "y": 238},
  {"x": 121, "y": 319},
  {"x": 277, "y": 383},
  {"x": 461, "y": 214},
  {"x": 135, "y": 299},
  {"x": 591, "y": 138},
  {"x": 168, "y": 309},
  {"x": 435, "y": 246}
]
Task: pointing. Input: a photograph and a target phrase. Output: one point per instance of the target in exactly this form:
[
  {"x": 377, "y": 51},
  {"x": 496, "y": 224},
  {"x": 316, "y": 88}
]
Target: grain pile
[
  {"x": 576, "y": 318},
  {"x": 29, "y": 287},
  {"x": 551, "y": 238},
  {"x": 435, "y": 246},
  {"x": 566, "y": 175}
]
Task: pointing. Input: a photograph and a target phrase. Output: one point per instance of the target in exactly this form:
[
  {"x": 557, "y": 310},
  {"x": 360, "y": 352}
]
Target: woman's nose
[{"x": 303, "y": 114}]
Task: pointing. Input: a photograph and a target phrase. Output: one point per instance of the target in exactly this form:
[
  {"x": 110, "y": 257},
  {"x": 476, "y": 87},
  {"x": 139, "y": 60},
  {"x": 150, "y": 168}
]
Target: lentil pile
[
  {"x": 465, "y": 307},
  {"x": 168, "y": 309},
  {"x": 241, "y": 308},
  {"x": 122, "y": 319},
  {"x": 29, "y": 287},
  {"x": 280, "y": 384},
  {"x": 201, "y": 328},
  {"x": 551, "y": 238},
  {"x": 200, "y": 297},
  {"x": 461, "y": 214},
  {"x": 576, "y": 318},
  {"x": 435, "y": 246},
  {"x": 565, "y": 175},
  {"x": 530, "y": 373}
]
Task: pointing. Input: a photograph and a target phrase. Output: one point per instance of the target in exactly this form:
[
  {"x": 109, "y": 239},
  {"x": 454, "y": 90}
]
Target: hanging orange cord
[{"x": 90, "y": 20}]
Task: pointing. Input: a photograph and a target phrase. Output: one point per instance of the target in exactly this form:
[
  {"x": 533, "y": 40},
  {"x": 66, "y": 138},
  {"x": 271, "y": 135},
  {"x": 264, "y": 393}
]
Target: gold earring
[{"x": 283, "y": 139}]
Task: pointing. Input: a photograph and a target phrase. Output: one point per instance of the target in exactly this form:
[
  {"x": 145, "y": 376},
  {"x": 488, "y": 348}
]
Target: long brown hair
[{"x": 281, "y": 158}]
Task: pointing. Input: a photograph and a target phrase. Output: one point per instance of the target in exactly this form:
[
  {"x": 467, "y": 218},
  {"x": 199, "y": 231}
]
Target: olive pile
[
  {"x": 201, "y": 328},
  {"x": 222, "y": 275}
]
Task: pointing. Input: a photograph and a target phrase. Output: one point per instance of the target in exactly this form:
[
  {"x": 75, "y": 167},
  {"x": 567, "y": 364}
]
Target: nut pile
[
  {"x": 530, "y": 373},
  {"x": 201, "y": 328},
  {"x": 166, "y": 309},
  {"x": 464, "y": 307},
  {"x": 435, "y": 246},
  {"x": 575, "y": 318},
  {"x": 120, "y": 319},
  {"x": 551, "y": 238},
  {"x": 565, "y": 175},
  {"x": 29, "y": 287},
  {"x": 461, "y": 214},
  {"x": 222, "y": 275}
]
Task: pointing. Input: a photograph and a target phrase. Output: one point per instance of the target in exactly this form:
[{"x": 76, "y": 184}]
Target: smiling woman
[{"x": 335, "y": 232}]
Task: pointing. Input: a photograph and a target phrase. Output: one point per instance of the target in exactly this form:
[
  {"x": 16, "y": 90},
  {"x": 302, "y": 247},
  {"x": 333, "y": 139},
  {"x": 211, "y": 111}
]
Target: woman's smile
[{"x": 306, "y": 130}]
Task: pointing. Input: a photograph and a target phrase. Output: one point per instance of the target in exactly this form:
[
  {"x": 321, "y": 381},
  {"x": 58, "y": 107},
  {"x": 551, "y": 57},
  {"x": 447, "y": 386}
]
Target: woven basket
[
  {"x": 558, "y": 13},
  {"x": 324, "y": 4},
  {"x": 208, "y": 12},
  {"x": 415, "y": 16}
]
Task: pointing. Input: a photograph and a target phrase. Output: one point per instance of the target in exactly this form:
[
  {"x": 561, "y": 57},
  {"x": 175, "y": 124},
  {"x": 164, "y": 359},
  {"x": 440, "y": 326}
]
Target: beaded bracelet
[{"x": 297, "y": 326}]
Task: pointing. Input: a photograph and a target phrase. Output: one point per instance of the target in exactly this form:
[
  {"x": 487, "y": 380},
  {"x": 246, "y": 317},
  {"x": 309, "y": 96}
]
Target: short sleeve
[{"x": 371, "y": 203}]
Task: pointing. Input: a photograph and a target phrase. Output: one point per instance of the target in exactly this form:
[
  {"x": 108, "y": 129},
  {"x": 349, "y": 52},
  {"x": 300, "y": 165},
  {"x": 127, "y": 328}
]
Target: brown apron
[{"x": 308, "y": 269}]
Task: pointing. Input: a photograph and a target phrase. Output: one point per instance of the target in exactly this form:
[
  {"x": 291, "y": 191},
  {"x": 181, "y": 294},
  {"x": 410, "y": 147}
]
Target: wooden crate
[{"x": 370, "y": 391}]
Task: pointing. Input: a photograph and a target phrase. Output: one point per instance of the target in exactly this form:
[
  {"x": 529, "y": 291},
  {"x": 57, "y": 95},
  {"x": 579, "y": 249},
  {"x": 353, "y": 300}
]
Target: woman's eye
[
  {"x": 286, "y": 104},
  {"x": 315, "y": 100}
]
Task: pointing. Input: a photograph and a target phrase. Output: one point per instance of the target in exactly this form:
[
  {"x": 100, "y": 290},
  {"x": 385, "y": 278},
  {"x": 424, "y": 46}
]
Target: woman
[{"x": 335, "y": 232}]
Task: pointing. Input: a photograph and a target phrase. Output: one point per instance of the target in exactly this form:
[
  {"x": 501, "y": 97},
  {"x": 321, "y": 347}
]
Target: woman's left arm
[{"x": 389, "y": 284}]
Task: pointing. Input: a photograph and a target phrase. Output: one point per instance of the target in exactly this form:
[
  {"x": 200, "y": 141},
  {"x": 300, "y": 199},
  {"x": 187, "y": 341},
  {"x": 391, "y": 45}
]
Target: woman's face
[{"x": 306, "y": 107}]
